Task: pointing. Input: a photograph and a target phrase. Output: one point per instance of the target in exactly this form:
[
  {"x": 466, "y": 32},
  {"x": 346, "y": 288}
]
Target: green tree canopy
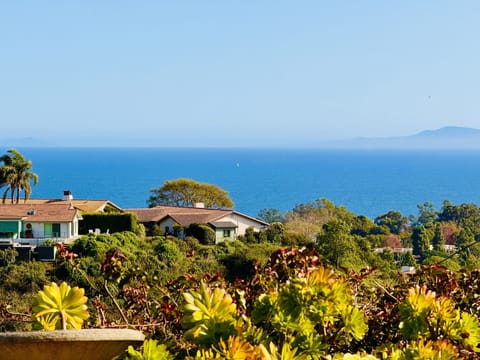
[
  {"x": 15, "y": 175},
  {"x": 337, "y": 245},
  {"x": 438, "y": 240},
  {"x": 407, "y": 259},
  {"x": 187, "y": 192},
  {"x": 394, "y": 220},
  {"x": 466, "y": 215},
  {"x": 270, "y": 216},
  {"x": 427, "y": 214},
  {"x": 421, "y": 240}
]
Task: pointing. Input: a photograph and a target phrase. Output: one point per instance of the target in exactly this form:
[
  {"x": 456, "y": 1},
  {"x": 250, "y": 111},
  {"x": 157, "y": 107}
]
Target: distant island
[{"x": 449, "y": 137}]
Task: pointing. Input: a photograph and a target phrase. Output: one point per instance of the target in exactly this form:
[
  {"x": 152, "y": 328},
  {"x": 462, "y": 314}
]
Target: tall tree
[
  {"x": 187, "y": 192},
  {"x": 15, "y": 175},
  {"x": 394, "y": 220},
  {"x": 465, "y": 215},
  {"x": 427, "y": 214},
  {"x": 421, "y": 240},
  {"x": 337, "y": 245},
  {"x": 438, "y": 240},
  {"x": 407, "y": 259},
  {"x": 270, "y": 215},
  {"x": 468, "y": 248},
  {"x": 308, "y": 219}
]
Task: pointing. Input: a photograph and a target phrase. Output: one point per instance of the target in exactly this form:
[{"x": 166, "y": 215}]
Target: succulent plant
[{"x": 60, "y": 307}]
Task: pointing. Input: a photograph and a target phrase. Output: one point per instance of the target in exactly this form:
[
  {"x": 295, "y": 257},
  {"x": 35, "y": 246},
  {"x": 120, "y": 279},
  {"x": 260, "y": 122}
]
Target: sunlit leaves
[
  {"x": 309, "y": 312},
  {"x": 421, "y": 350},
  {"x": 468, "y": 329},
  {"x": 151, "y": 351},
  {"x": 354, "y": 323},
  {"x": 60, "y": 307},
  {"x": 235, "y": 349},
  {"x": 415, "y": 311},
  {"x": 209, "y": 315},
  {"x": 426, "y": 317},
  {"x": 285, "y": 353}
]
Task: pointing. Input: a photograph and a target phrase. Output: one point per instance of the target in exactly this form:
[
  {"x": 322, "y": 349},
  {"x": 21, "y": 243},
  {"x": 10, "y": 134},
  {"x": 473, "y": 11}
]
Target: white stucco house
[
  {"x": 228, "y": 224},
  {"x": 35, "y": 223},
  {"x": 35, "y": 220}
]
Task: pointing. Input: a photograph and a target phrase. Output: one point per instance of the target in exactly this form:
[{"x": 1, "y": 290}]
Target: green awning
[{"x": 9, "y": 226}]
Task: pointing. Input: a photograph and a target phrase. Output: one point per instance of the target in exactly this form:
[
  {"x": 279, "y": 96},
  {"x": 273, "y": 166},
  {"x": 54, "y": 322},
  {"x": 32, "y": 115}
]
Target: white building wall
[
  {"x": 242, "y": 223},
  {"x": 67, "y": 230},
  {"x": 168, "y": 222},
  {"x": 38, "y": 230}
]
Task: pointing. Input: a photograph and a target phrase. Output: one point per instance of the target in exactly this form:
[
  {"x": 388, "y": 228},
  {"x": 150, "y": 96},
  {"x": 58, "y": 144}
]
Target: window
[
  {"x": 227, "y": 233},
  {"x": 56, "y": 230},
  {"x": 51, "y": 230}
]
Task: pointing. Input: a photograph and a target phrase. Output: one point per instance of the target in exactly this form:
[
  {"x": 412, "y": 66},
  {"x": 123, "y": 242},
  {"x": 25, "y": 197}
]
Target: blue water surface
[{"x": 366, "y": 182}]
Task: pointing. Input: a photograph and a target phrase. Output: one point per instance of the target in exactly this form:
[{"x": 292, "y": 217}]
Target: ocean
[{"x": 369, "y": 183}]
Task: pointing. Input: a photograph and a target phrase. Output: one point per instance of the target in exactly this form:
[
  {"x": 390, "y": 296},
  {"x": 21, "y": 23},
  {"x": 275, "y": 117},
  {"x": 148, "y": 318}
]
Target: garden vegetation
[{"x": 314, "y": 285}]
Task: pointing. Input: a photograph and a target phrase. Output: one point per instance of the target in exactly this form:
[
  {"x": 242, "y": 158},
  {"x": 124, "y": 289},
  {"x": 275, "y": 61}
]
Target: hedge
[{"x": 110, "y": 222}]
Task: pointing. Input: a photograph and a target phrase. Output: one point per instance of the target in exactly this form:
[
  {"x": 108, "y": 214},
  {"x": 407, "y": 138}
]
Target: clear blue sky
[{"x": 235, "y": 73}]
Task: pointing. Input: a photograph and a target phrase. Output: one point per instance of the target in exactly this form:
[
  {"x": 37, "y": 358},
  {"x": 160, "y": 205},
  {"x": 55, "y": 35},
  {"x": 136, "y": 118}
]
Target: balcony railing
[
  {"x": 34, "y": 238},
  {"x": 43, "y": 235}
]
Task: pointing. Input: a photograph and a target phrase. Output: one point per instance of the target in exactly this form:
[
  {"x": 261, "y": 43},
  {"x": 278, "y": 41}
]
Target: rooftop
[{"x": 39, "y": 212}]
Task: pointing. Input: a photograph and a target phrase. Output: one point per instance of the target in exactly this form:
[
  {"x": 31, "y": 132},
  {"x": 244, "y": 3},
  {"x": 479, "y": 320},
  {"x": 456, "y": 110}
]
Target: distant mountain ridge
[
  {"x": 449, "y": 137},
  {"x": 450, "y": 131}
]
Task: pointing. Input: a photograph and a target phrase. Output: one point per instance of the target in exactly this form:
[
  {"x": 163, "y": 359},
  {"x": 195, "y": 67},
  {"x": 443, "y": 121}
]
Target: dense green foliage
[
  {"x": 108, "y": 222},
  {"x": 204, "y": 233},
  {"x": 187, "y": 192},
  {"x": 323, "y": 284}
]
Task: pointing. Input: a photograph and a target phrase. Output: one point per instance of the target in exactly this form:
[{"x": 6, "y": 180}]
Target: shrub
[
  {"x": 113, "y": 222},
  {"x": 193, "y": 243},
  {"x": 8, "y": 256},
  {"x": 156, "y": 230},
  {"x": 86, "y": 246},
  {"x": 25, "y": 277},
  {"x": 168, "y": 252},
  {"x": 204, "y": 233}
]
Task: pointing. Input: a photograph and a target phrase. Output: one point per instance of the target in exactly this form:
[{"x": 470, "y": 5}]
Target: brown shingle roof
[
  {"x": 188, "y": 219},
  {"x": 39, "y": 212},
  {"x": 83, "y": 205},
  {"x": 183, "y": 215},
  {"x": 146, "y": 215}
]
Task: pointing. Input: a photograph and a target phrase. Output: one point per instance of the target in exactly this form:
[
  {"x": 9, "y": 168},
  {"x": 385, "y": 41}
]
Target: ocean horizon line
[
  {"x": 319, "y": 149},
  {"x": 367, "y": 182}
]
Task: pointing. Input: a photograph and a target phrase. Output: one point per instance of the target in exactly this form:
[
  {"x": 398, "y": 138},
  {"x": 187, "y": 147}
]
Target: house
[
  {"x": 35, "y": 220},
  {"x": 34, "y": 223},
  {"x": 227, "y": 224}
]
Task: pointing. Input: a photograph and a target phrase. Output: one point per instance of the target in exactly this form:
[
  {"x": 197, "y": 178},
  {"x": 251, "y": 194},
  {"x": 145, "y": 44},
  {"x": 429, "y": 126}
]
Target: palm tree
[{"x": 16, "y": 176}]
